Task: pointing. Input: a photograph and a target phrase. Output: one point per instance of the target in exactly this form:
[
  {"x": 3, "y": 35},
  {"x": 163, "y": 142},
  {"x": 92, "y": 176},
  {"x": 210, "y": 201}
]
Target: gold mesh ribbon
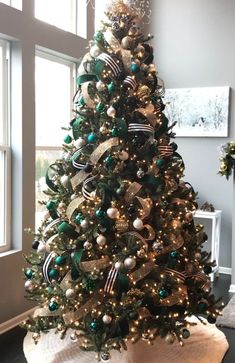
[
  {"x": 74, "y": 205},
  {"x": 177, "y": 242},
  {"x": 78, "y": 178},
  {"x": 149, "y": 113},
  {"x": 83, "y": 310},
  {"x": 143, "y": 271},
  {"x": 95, "y": 264},
  {"x": 146, "y": 205},
  {"x": 116, "y": 46},
  {"x": 178, "y": 297},
  {"x": 133, "y": 189},
  {"x": 102, "y": 148},
  {"x": 66, "y": 282},
  {"x": 151, "y": 232}
]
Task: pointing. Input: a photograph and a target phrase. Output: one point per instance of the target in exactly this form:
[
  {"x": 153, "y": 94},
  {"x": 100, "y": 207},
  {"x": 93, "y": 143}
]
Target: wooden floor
[{"x": 12, "y": 341}]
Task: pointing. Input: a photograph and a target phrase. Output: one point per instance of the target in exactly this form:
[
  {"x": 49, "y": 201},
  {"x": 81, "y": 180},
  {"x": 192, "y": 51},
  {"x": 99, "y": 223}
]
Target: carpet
[{"x": 228, "y": 318}]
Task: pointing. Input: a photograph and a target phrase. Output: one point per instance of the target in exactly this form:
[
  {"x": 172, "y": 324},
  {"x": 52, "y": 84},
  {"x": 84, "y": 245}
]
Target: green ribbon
[
  {"x": 122, "y": 130},
  {"x": 68, "y": 230},
  {"x": 86, "y": 78}
]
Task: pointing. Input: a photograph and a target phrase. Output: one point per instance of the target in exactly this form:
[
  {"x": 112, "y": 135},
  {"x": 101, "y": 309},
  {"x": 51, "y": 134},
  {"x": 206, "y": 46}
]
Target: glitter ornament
[
  {"x": 113, "y": 213},
  {"x": 101, "y": 240},
  {"x": 129, "y": 263},
  {"x": 111, "y": 112},
  {"x": 107, "y": 319},
  {"x": 70, "y": 293},
  {"x": 138, "y": 224},
  {"x": 87, "y": 245}
]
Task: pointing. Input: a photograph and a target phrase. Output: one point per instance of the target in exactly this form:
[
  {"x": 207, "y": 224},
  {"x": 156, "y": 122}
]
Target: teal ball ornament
[
  {"x": 68, "y": 139},
  {"x": 111, "y": 87},
  {"x": 163, "y": 293},
  {"x": 82, "y": 101},
  {"x": 60, "y": 260},
  {"x": 53, "y": 306},
  {"x": 94, "y": 325},
  {"x": 135, "y": 68},
  {"x": 28, "y": 273},
  {"x": 100, "y": 213},
  {"x": 50, "y": 205},
  {"x": 109, "y": 161},
  {"x": 91, "y": 138},
  {"x": 79, "y": 218},
  {"x": 98, "y": 36},
  {"x": 53, "y": 274},
  {"x": 202, "y": 306},
  {"x": 160, "y": 163},
  {"x": 100, "y": 107},
  {"x": 185, "y": 333},
  {"x": 174, "y": 254},
  {"x": 114, "y": 132}
]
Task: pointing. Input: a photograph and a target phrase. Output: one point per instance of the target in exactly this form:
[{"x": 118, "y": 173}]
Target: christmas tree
[{"x": 118, "y": 255}]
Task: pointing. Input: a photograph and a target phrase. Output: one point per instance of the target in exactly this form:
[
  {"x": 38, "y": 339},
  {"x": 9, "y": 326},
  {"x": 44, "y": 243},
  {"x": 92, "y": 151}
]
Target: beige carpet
[
  {"x": 206, "y": 344},
  {"x": 228, "y": 318}
]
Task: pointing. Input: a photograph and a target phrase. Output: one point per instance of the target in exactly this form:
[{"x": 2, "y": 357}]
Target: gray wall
[{"x": 194, "y": 47}]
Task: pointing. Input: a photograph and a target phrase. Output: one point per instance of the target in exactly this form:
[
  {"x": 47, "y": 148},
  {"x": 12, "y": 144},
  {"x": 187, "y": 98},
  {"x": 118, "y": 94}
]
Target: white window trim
[{"x": 5, "y": 148}]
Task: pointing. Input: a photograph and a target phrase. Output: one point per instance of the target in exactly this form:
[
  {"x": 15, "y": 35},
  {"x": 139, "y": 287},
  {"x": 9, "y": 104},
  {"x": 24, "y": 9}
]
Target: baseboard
[
  {"x": 225, "y": 270},
  {"x": 12, "y": 323},
  {"x": 232, "y": 289}
]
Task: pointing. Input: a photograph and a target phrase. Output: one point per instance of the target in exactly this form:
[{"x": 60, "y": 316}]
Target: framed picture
[{"x": 199, "y": 112}]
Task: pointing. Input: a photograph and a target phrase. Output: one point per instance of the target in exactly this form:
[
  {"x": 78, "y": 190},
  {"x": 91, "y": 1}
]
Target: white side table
[{"x": 215, "y": 235}]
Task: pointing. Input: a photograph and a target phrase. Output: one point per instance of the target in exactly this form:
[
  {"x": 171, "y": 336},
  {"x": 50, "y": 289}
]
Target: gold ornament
[
  {"x": 143, "y": 92},
  {"x": 121, "y": 226}
]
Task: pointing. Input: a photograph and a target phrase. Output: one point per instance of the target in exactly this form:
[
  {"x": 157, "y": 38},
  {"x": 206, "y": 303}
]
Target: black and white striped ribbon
[
  {"x": 46, "y": 267},
  {"x": 140, "y": 127},
  {"x": 110, "y": 62},
  {"x": 76, "y": 155},
  {"x": 50, "y": 225},
  {"x": 165, "y": 150},
  {"x": 131, "y": 82},
  {"x": 111, "y": 279},
  {"x": 88, "y": 195}
]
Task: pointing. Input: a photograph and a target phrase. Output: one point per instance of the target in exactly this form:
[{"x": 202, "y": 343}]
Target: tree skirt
[
  {"x": 228, "y": 318},
  {"x": 206, "y": 344}
]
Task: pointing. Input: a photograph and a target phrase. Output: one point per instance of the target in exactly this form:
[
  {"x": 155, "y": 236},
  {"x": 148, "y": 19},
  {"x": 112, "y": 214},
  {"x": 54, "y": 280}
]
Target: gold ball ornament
[
  {"x": 143, "y": 92},
  {"x": 170, "y": 338}
]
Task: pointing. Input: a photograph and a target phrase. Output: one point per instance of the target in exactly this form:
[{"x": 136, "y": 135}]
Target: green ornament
[
  {"x": 202, "y": 307},
  {"x": 114, "y": 132},
  {"x": 111, "y": 87},
  {"x": 50, "y": 205},
  {"x": 211, "y": 319},
  {"x": 94, "y": 325},
  {"x": 100, "y": 107},
  {"x": 163, "y": 293},
  {"x": 100, "y": 213},
  {"x": 91, "y": 138},
  {"x": 53, "y": 274},
  {"x": 174, "y": 254},
  {"x": 109, "y": 161},
  {"x": 207, "y": 270},
  {"x": 135, "y": 68},
  {"x": 53, "y": 306},
  {"x": 185, "y": 333},
  {"x": 98, "y": 36},
  {"x": 79, "y": 218},
  {"x": 60, "y": 260},
  {"x": 90, "y": 285},
  {"x": 82, "y": 101},
  {"x": 120, "y": 191},
  {"x": 68, "y": 139},
  {"x": 160, "y": 163},
  {"x": 49, "y": 289},
  {"x": 28, "y": 273}
]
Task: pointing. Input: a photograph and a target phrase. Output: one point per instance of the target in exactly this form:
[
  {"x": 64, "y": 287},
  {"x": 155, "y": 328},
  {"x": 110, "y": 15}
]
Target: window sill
[{"x": 9, "y": 252}]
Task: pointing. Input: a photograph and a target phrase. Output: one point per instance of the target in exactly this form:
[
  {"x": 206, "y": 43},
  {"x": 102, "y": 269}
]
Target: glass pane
[
  {"x": 1, "y": 95},
  {"x": 100, "y": 8},
  {"x": 44, "y": 158},
  {"x": 2, "y": 199},
  {"x": 56, "y": 12},
  {"x": 53, "y": 101},
  {"x": 82, "y": 18},
  {"x": 15, "y": 3},
  {"x": 7, "y": 2}
]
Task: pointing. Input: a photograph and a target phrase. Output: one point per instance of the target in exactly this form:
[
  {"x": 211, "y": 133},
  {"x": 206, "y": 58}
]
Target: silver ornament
[
  {"x": 84, "y": 223},
  {"x": 100, "y": 86},
  {"x": 107, "y": 319},
  {"x": 70, "y": 293},
  {"x": 65, "y": 180},
  {"x": 111, "y": 112},
  {"x": 129, "y": 263},
  {"x": 101, "y": 240},
  {"x": 198, "y": 256},
  {"x": 79, "y": 142},
  {"x": 138, "y": 224},
  {"x": 127, "y": 42},
  {"x": 118, "y": 265},
  {"x": 29, "y": 286},
  {"x": 95, "y": 51},
  {"x": 41, "y": 247},
  {"x": 140, "y": 174},
  {"x": 123, "y": 155},
  {"x": 73, "y": 337},
  {"x": 87, "y": 245},
  {"x": 170, "y": 338},
  {"x": 141, "y": 253},
  {"x": 105, "y": 357},
  {"x": 113, "y": 213},
  {"x": 157, "y": 246}
]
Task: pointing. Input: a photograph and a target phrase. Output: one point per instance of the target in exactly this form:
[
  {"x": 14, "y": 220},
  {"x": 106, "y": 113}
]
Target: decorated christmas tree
[{"x": 118, "y": 256}]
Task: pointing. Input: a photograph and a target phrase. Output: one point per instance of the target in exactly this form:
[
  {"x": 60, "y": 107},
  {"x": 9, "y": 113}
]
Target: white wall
[{"x": 194, "y": 47}]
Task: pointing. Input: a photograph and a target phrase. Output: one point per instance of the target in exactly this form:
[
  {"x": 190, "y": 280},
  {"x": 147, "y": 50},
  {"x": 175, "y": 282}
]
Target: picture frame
[{"x": 199, "y": 111}]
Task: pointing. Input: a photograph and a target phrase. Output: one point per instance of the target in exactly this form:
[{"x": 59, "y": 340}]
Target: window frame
[{"x": 5, "y": 147}]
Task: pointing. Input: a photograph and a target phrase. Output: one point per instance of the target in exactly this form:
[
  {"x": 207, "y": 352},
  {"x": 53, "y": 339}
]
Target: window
[
  {"x": 15, "y": 3},
  {"x": 100, "y": 8},
  {"x": 54, "y": 86},
  {"x": 69, "y": 15},
  {"x": 4, "y": 148}
]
